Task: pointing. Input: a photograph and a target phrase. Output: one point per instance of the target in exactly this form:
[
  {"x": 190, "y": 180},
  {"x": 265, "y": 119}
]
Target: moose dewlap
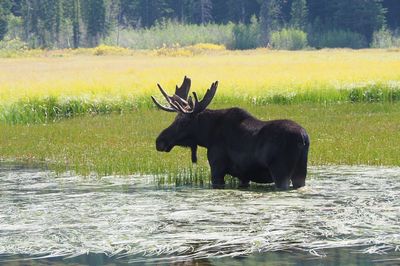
[{"x": 237, "y": 143}]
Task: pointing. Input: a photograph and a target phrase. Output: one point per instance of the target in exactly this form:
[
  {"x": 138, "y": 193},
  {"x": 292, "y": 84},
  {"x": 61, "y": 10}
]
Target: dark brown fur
[{"x": 240, "y": 145}]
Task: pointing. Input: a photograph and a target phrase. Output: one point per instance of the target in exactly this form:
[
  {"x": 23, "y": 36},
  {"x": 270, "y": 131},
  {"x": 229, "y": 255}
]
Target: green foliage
[
  {"x": 289, "y": 39},
  {"x": 13, "y": 45},
  {"x": 338, "y": 39},
  {"x": 42, "y": 20},
  {"x": 363, "y": 17},
  {"x": 384, "y": 38},
  {"x": 5, "y": 6},
  {"x": 3, "y": 27},
  {"x": 95, "y": 17},
  {"x": 14, "y": 48},
  {"x": 169, "y": 34},
  {"x": 270, "y": 19},
  {"x": 246, "y": 36},
  {"x": 298, "y": 14},
  {"x": 75, "y": 17},
  {"x": 203, "y": 11},
  {"x": 360, "y": 16}
]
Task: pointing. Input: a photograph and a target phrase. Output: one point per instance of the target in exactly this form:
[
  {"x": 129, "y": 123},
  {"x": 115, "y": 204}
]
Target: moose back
[{"x": 237, "y": 143}]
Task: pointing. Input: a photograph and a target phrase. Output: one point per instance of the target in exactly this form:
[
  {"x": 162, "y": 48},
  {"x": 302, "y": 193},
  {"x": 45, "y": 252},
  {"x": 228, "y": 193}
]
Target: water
[{"x": 344, "y": 215}]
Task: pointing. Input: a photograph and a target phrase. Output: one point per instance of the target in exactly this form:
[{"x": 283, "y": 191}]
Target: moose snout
[{"x": 162, "y": 145}]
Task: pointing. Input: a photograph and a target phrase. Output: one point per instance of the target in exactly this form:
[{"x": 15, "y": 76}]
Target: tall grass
[
  {"x": 124, "y": 144},
  {"x": 50, "y": 109}
]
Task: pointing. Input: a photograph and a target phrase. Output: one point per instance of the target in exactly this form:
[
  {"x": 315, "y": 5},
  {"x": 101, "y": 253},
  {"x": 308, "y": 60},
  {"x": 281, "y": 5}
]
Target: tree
[
  {"x": 5, "y": 9},
  {"x": 362, "y": 16},
  {"x": 203, "y": 11},
  {"x": 76, "y": 23},
  {"x": 42, "y": 21},
  {"x": 320, "y": 13},
  {"x": 393, "y": 13},
  {"x": 270, "y": 18},
  {"x": 94, "y": 16},
  {"x": 240, "y": 10},
  {"x": 129, "y": 14},
  {"x": 151, "y": 11},
  {"x": 298, "y": 14}
]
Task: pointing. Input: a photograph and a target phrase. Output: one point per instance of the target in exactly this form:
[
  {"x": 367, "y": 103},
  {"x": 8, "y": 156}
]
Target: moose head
[{"x": 182, "y": 131}]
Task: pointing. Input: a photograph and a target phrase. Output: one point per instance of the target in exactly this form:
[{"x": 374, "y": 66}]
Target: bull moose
[{"x": 237, "y": 143}]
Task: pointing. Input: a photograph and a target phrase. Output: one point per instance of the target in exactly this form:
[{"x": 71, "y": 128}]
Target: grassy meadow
[
  {"x": 125, "y": 144},
  {"x": 348, "y": 100}
]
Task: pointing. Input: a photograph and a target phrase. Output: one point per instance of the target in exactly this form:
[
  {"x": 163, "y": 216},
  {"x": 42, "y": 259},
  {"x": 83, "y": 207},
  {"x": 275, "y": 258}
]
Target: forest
[{"x": 237, "y": 24}]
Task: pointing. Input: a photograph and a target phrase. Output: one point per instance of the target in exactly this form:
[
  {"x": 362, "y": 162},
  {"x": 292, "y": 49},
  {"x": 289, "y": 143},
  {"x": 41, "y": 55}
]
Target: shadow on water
[
  {"x": 345, "y": 216},
  {"x": 336, "y": 256}
]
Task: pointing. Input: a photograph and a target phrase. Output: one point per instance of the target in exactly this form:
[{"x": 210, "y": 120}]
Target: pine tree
[
  {"x": 270, "y": 18},
  {"x": 76, "y": 23},
  {"x": 298, "y": 14},
  {"x": 42, "y": 21},
  {"x": 393, "y": 13},
  {"x": 362, "y": 16},
  {"x": 129, "y": 13},
  {"x": 202, "y": 11},
  {"x": 241, "y": 10},
  {"x": 94, "y": 16},
  {"x": 5, "y": 7},
  {"x": 150, "y": 11}
]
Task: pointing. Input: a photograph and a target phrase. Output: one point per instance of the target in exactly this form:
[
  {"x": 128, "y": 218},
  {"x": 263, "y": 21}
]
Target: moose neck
[{"x": 206, "y": 123}]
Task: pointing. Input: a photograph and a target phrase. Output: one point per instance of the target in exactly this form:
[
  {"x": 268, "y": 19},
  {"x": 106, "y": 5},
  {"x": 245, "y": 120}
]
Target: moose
[{"x": 237, "y": 143}]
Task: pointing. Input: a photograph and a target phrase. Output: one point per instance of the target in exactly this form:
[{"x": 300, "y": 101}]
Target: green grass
[
  {"x": 350, "y": 133},
  {"x": 50, "y": 109}
]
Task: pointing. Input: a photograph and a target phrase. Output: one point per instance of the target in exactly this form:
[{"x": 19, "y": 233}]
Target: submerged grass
[{"x": 124, "y": 144}]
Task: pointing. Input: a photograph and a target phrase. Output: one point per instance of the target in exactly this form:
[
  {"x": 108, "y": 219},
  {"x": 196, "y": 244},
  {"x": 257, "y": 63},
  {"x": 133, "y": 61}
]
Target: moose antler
[
  {"x": 183, "y": 90},
  {"x": 200, "y": 106},
  {"x": 180, "y": 102}
]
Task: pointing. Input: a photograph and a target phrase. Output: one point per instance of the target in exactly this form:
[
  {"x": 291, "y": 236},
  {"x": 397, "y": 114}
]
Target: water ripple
[{"x": 67, "y": 215}]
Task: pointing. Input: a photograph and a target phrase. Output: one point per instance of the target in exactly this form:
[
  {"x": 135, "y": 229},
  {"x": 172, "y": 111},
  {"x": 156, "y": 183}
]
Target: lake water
[{"x": 345, "y": 215}]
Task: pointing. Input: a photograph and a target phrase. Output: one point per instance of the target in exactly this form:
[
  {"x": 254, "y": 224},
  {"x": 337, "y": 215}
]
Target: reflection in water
[{"x": 345, "y": 214}]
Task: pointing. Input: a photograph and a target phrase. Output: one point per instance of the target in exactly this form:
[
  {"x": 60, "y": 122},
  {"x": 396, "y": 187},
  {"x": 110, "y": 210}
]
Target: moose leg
[
  {"x": 300, "y": 172},
  {"x": 218, "y": 168},
  {"x": 217, "y": 178},
  {"x": 281, "y": 172},
  {"x": 244, "y": 183},
  {"x": 193, "y": 150}
]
